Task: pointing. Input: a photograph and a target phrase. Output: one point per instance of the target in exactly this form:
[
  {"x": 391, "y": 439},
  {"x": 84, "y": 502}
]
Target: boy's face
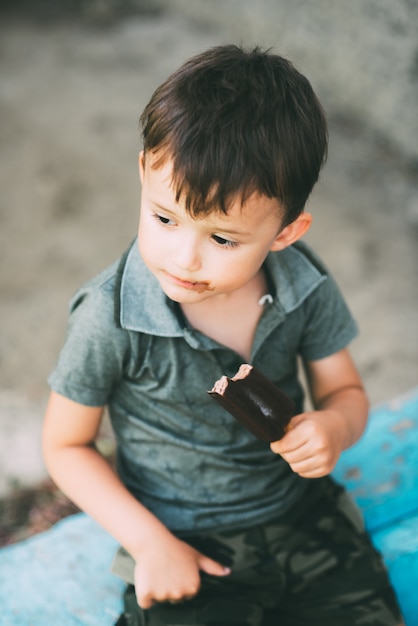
[{"x": 210, "y": 256}]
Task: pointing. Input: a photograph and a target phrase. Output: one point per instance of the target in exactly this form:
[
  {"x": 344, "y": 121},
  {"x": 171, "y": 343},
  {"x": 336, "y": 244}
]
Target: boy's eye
[
  {"x": 163, "y": 219},
  {"x": 226, "y": 243}
]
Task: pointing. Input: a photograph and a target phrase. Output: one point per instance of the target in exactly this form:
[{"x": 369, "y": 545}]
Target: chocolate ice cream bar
[{"x": 255, "y": 402}]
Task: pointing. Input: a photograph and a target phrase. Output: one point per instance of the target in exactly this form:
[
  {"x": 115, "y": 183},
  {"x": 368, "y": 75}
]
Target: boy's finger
[
  {"x": 145, "y": 602},
  {"x": 294, "y": 438},
  {"x": 213, "y": 568},
  {"x": 290, "y": 442}
]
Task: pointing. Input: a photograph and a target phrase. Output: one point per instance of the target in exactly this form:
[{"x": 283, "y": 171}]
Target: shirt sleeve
[
  {"x": 329, "y": 326},
  {"x": 94, "y": 354}
]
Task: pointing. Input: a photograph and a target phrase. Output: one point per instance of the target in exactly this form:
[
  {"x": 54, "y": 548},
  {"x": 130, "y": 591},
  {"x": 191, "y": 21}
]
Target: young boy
[{"x": 217, "y": 527}]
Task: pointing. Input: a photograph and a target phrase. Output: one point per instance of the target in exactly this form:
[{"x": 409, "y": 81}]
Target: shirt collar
[
  {"x": 145, "y": 308},
  {"x": 294, "y": 273}
]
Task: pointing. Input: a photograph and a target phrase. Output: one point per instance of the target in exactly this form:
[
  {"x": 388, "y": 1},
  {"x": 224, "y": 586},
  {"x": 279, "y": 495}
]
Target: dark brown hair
[{"x": 236, "y": 122}]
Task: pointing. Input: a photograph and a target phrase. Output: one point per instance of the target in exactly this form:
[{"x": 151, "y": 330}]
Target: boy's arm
[
  {"x": 316, "y": 438},
  {"x": 168, "y": 568}
]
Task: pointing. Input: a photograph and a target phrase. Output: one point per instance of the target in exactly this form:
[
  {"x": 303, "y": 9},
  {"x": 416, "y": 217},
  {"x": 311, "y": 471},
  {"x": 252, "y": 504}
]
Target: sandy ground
[{"x": 70, "y": 98}]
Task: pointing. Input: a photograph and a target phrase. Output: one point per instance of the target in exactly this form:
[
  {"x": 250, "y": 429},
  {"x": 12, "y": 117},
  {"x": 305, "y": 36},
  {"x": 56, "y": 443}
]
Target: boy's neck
[{"x": 230, "y": 319}]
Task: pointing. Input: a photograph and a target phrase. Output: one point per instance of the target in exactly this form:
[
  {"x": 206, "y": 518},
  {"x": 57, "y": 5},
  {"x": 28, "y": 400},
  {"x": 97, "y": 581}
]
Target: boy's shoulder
[
  {"x": 104, "y": 287},
  {"x": 98, "y": 289},
  {"x": 96, "y": 303}
]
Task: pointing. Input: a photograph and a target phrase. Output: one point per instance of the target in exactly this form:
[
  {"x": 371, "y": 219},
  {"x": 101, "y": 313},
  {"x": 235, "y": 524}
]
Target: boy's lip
[{"x": 187, "y": 284}]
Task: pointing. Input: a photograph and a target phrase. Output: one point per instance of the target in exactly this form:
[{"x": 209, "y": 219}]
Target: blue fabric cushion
[{"x": 381, "y": 470}]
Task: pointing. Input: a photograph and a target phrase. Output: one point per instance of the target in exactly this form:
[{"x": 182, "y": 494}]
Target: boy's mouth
[{"x": 192, "y": 285}]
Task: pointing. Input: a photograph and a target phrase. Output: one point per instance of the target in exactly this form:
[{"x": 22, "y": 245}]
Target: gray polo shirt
[{"x": 180, "y": 453}]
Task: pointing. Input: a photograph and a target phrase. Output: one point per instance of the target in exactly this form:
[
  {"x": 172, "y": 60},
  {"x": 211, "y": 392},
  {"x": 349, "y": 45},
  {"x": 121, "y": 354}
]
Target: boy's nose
[{"x": 187, "y": 256}]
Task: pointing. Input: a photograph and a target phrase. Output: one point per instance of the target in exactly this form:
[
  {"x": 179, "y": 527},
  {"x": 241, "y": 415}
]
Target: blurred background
[{"x": 74, "y": 78}]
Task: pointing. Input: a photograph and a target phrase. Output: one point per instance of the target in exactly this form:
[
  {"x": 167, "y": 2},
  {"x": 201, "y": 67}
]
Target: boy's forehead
[{"x": 158, "y": 164}]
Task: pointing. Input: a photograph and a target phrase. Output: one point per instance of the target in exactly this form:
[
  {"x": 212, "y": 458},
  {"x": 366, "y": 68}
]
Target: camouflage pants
[{"x": 316, "y": 567}]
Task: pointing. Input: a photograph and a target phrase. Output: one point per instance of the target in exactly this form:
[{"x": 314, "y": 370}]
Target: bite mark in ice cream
[{"x": 255, "y": 402}]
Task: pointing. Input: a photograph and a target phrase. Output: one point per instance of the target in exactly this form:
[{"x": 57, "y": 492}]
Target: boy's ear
[
  {"x": 291, "y": 233},
  {"x": 141, "y": 163}
]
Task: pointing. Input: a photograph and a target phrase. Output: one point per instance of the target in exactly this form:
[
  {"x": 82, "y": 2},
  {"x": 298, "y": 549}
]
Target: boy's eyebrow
[
  {"x": 232, "y": 231},
  {"x": 160, "y": 206}
]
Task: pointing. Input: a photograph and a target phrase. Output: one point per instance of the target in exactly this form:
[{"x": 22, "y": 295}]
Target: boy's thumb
[{"x": 211, "y": 567}]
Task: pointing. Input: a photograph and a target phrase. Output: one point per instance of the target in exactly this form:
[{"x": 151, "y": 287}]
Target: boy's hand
[
  {"x": 169, "y": 572},
  {"x": 313, "y": 443},
  {"x": 315, "y": 439}
]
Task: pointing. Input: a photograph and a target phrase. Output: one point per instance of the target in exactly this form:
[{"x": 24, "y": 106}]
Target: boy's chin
[
  {"x": 185, "y": 296},
  {"x": 192, "y": 298}
]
